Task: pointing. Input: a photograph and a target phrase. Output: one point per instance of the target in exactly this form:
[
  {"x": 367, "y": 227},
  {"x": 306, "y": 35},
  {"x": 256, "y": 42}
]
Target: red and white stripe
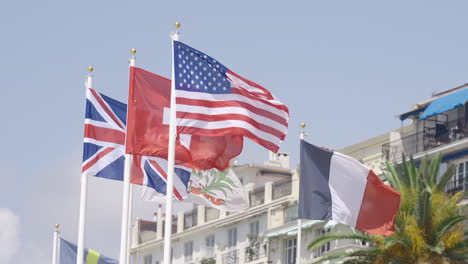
[{"x": 249, "y": 110}]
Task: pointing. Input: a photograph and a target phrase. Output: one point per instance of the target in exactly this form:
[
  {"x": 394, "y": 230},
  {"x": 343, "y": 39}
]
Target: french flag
[{"x": 337, "y": 187}]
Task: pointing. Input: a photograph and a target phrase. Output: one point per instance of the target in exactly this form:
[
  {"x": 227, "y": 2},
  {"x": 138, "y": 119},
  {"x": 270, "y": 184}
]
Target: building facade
[{"x": 267, "y": 231}]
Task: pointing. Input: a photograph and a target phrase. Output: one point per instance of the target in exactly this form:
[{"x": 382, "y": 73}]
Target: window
[
  {"x": 325, "y": 248},
  {"x": 148, "y": 259},
  {"x": 210, "y": 241},
  {"x": 188, "y": 251},
  {"x": 290, "y": 213},
  {"x": 290, "y": 250},
  {"x": 211, "y": 214},
  {"x": 232, "y": 237},
  {"x": 254, "y": 228},
  {"x": 190, "y": 219},
  {"x": 461, "y": 176}
]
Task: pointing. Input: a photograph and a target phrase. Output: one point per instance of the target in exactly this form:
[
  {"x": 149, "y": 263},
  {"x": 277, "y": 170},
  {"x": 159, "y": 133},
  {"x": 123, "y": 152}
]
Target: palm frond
[
  {"x": 446, "y": 177},
  {"x": 447, "y": 224},
  {"x": 434, "y": 168},
  {"x": 393, "y": 176}
]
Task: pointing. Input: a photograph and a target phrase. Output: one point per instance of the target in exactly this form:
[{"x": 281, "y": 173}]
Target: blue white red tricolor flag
[
  {"x": 338, "y": 187},
  {"x": 212, "y": 100},
  {"x": 104, "y": 148}
]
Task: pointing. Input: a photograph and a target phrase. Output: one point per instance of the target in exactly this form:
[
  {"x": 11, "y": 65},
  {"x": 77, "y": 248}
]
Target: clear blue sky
[{"x": 346, "y": 68}]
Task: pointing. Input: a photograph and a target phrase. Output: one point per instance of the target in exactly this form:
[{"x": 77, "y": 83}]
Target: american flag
[
  {"x": 104, "y": 147},
  {"x": 214, "y": 101}
]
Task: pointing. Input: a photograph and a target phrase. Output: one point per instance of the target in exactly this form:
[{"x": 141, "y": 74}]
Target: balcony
[
  {"x": 231, "y": 257},
  {"x": 211, "y": 260},
  {"x": 255, "y": 252},
  {"x": 257, "y": 196},
  {"x": 438, "y": 134},
  {"x": 457, "y": 185},
  {"x": 190, "y": 219},
  {"x": 282, "y": 188}
]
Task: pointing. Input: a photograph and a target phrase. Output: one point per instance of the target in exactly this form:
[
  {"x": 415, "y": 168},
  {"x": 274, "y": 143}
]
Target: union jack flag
[
  {"x": 104, "y": 136},
  {"x": 104, "y": 148}
]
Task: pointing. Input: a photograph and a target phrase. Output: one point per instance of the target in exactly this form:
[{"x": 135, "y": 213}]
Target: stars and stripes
[
  {"x": 104, "y": 147},
  {"x": 214, "y": 101}
]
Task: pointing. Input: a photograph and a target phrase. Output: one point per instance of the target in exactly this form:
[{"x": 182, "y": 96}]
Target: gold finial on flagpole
[
  {"x": 90, "y": 69},
  {"x": 56, "y": 226},
  {"x": 133, "y": 51},
  {"x": 303, "y": 133},
  {"x": 177, "y": 24}
]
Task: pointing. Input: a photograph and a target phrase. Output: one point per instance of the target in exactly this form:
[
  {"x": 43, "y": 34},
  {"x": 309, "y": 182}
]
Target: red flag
[{"x": 148, "y": 127}]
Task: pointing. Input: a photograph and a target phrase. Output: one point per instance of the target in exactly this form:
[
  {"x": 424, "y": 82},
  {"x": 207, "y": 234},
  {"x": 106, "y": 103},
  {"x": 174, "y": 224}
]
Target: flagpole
[
  {"x": 129, "y": 230},
  {"x": 170, "y": 159},
  {"x": 55, "y": 245},
  {"x": 126, "y": 195},
  {"x": 83, "y": 195},
  {"x": 299, "y": 221}
]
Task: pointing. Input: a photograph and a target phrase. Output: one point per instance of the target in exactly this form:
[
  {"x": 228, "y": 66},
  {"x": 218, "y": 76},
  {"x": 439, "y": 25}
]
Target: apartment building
[{"x": 267, "y": 231}]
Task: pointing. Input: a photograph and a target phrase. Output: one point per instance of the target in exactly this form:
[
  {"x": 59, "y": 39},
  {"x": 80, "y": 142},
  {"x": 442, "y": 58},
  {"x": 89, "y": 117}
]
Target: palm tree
[{"x": 428, "y": 225}]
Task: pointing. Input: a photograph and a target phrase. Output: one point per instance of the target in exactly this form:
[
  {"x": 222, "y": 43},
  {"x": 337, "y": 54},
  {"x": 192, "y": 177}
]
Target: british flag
[
  {"x": 104, "y": 136},
  {"x": 104, "y": 148}
]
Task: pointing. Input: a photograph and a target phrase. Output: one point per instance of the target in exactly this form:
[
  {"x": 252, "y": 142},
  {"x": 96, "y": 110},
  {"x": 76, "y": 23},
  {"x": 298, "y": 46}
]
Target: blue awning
[
  {"x": 445, "y": 103},
  {"x": 414, "y": 113}
]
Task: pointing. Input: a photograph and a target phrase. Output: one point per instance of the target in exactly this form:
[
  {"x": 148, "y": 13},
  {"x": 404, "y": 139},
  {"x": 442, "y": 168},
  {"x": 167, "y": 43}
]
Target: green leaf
[
  {"x": 438, "y": 249},
  {"x": 447, "y": 224},
  {"x": 446, "y": 177},
  {"x": 434, "y": 168}
]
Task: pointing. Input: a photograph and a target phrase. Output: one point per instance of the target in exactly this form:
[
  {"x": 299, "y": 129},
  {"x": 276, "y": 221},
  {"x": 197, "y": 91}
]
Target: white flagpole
[
  {"x": 299, "y": 221},
  {"x": 83, "y": 195},
  {"x": 170, "y": 160},
  {"x": 55, "y": 245},
  {"x": 129, "y": 239},
  {"x": 126, "y": 196}
]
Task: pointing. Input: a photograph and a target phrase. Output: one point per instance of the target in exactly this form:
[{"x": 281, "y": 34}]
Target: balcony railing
[
  {"x": 257, "y": 196},
  {"x": 426, "y": 139},
  {"x": 255, "y": 252},
  {"x": 457, "y": 185},
  {"x": 282, "y": 188},
  {"x": 208, "y": 261},
  {"x": 190, "y": 218},
  {"x": 231, "y": 257}
]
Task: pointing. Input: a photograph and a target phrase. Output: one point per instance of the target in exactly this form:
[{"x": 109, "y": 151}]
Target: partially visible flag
[
  {"x": 337, "y": 187},
  {"x": 214, "y": 101},
  {"x": 212, "y": 188},
  {"x": 104, "y": 136},
  {"x": 148, "y": 127},
  {"x": 152, "y": 172},
  {"x": 104, "y": 147},
  {"x": 68, "y": 255}
]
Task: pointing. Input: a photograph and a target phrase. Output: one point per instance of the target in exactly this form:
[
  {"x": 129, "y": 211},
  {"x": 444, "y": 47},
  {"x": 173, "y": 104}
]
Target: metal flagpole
[
  {"x": 129, "y": 238},
  {"x": 299, "y": 221},
  {"x": 83, "y": 195},
  {"x": 55, "y": 245},
  {"x": 126, "y": 195},
  {"x": 170, "y": 160}
]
